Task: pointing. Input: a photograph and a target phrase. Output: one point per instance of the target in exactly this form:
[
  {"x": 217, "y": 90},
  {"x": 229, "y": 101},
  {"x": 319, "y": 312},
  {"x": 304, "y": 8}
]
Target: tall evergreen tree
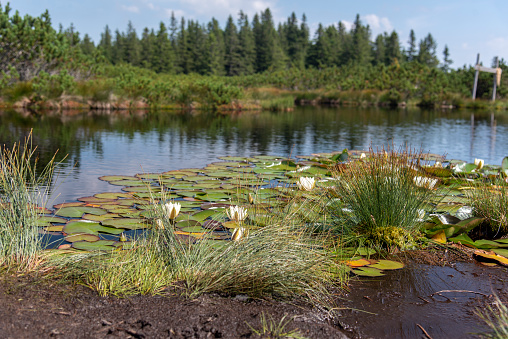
[
  {"x": 247, "y": 49},
  {"x": 380, "y": 49},
  {"x": 215, "y": 48},
  {"x": 411, "y": 51},
  {"x": 427, "y": 51},
  {"x": 361, "y": 48},
  {"x": 163, "y": 61},
  {"x": 87, "y": 46},
  {"x": 132, "y": 46},
  {"x": 232, "y": 42},
  {"x": 445, "y": 66},
  {"x": 393, "y": 51},
  {"x": 106, "y": 44}
]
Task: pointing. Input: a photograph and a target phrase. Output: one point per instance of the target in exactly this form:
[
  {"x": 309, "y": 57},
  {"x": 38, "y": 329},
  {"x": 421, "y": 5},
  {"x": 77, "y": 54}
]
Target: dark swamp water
[{"x": 122, "y": 143}]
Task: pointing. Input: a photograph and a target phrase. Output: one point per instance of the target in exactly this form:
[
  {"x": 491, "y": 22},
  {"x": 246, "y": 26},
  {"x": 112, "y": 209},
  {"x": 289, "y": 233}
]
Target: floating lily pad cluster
[
  {"x": 99, "y": 221},
  {"x": 363, "y": 266}
]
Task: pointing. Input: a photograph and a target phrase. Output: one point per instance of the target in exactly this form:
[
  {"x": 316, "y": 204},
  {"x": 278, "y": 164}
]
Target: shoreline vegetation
[{"x": 250, "y": 65}]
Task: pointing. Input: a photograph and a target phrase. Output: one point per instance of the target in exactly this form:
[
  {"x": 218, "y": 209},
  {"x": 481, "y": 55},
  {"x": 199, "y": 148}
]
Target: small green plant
[
  {"x": 497, "y": 319},
  {"x": 270, "y": 329},
  {"x": 490, "y": 201},
  {"x": 21, "y": 190},
  {"x": 377, "y": 198}
]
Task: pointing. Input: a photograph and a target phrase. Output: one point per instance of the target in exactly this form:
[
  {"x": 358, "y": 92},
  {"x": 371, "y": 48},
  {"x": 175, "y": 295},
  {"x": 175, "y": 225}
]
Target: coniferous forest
[{"x": 240, "y": 64}]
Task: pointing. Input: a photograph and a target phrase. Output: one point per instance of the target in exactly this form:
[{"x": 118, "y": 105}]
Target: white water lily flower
[
  {"x": 172, "y": 209},
  {"x": 425, "y": 182},
  {"x": 159, "y": 223},
  {"x": 237, "y": 213},
  {"x": 479, "y": 163},
  {"x": 238, "y": 234},
  {"x": 363, "y": 156},
  {"x": 438, "y": 164},
  {"x": 306, "y": 183}
]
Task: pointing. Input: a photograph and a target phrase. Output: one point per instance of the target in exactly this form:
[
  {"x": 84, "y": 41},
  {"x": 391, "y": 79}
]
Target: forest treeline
[{"x": 186, "y": 61}]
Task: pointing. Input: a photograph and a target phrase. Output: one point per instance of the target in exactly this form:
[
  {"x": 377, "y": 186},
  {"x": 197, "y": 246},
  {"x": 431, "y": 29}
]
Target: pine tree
[
  {"x": 445, "y": 66},
  {"x": 163, "y": 61},
  {"x": 247, "y": 47},
  {"x": 427, "y": 51},
  {"x": 132, "y": 46},
  {"x": 393, "y": 51},
  {"x": 232, "y": 43},
  {"x": 215, "y": 49},
  {"x": 362, "y": 51},
  {"x": 411, "y": 51},
  {"x": 106, "y": 45},
  {"x": 87, "y": 46}
]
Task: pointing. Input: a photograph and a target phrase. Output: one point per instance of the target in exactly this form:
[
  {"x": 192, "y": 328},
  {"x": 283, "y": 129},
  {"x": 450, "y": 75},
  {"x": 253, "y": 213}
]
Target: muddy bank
[{"x": 44, "y": 310}]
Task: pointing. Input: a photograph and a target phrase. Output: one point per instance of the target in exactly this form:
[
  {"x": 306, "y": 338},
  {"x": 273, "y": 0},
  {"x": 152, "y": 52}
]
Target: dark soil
[
  {"x": 34, "y": 309},
  {"x": 397, "y": 305}
]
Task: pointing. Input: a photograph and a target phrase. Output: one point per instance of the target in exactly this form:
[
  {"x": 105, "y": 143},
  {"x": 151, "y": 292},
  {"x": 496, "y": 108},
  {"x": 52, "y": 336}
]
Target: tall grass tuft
[
  {"x": 21, "y": 189},
  {"x": 120, "y": 273},
  {"x": 377, "y": 199},
  {"x": 497, "y": 319},
  {"x": 281, "y": 258},
  {"x": 491, "y": 202}
]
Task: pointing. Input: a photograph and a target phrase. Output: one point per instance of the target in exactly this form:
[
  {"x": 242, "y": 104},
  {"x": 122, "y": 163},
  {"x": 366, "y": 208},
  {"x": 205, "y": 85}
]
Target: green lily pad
[
  {"x": 47, "y": 220},
  {"x": 69, "y": 204},
  {"x": 188, "y": 223},
  {"x": 54, "y": 228},
  {"x": 127, "y": 223},
  {"x": 82, "y": 237},
  {"x": 367, "y": 272},
  {"x": 88, "y": 227},
  {"x": 78, "y": 211},
  {"x": 365, "y": 251},
  {"x": 117, "y": 177},
  {"x": 100, "y": 245},
  {"x": 100, "y": 217},
  {"x": 387, "y": 265},
  {"x": 141, "y": 189},
  {"x": 201, "y": 216},
  {"x": 111, "y": 195},
  {"x": 195, "y": 229}
]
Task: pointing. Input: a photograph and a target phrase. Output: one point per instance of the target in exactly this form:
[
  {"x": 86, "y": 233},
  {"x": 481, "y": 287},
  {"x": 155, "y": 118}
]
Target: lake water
[{"x": 125, "y": 143}]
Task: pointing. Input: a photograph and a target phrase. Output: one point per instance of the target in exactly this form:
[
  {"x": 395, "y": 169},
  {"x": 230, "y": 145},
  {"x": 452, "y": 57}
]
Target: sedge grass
[
  {"x": 497, "y": 319},
  {"x": 21, "y": 189},
  {"x": 491, "y": 202},
  {"x": 281, "y": 258},
  {"x": 377, "y": 199},
  {"x": 275, "y": 330}
]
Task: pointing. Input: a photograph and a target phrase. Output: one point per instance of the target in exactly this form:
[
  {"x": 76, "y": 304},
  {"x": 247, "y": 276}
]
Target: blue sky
[{"x": 467, "y": 27}]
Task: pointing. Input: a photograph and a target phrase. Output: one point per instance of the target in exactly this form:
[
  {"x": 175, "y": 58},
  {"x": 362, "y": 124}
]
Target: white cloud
[
  {"x": 132, "y": 9},
  {"x": 378, "y": 25},
  {"x": 347, "y": 24}
]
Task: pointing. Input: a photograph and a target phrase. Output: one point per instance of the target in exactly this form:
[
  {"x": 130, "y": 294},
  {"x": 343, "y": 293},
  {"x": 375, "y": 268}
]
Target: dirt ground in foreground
[{"x": 32, "y": 309}]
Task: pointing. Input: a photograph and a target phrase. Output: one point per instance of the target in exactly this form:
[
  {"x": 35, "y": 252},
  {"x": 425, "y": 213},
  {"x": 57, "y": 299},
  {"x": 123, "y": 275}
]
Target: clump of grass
[
  {"x": 281, "y": 258},
  {"x": 491, "y": 202},
  {"x": 497, "y": 319},
  {"x": 275, "y": 330},
  {"x": 120, "y": 273},
  {"x": 376, "y": 199},
  {"x": 21, "y": 189}
]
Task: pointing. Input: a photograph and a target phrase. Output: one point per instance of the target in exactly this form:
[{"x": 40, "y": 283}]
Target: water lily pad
[
  {"x": 47, "y": 220},
  {"x": 78, "y": 211},
  {"x": 202, "y": 215},
  {"x": 357, "y": 263},
  {"x": 387, "y": 265},
  {"x": 127, "y": 223},
  {"x": 100, "y": 217},
  {"x": 112, "y": 195},
  {"x": 82, "y": 237},
  {"x": 54, "y": 228},
  {"x": 117, "y": 177},
  {"x": 141, "y": 189},
  {"x": 188, "y": 223},
  {"x": 194, "y": 229},
  {"x": 96, "y": 201},
  {"x": 68, "y": 204},
  {"x": 100, "y": 245},
  {"x": 88, "y": 227},
  {"x": 367, "y": 272}
]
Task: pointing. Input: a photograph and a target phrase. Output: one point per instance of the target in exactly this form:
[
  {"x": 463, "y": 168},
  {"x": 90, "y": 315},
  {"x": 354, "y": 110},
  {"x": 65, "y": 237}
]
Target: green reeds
[
  {"x": 377, "y": 198},
  {"x": 272, "y": 329},
  {"x": 497, "y": 319},
  {"x": 490, "y": 201},
  {"x": 21, "y": 189}
]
